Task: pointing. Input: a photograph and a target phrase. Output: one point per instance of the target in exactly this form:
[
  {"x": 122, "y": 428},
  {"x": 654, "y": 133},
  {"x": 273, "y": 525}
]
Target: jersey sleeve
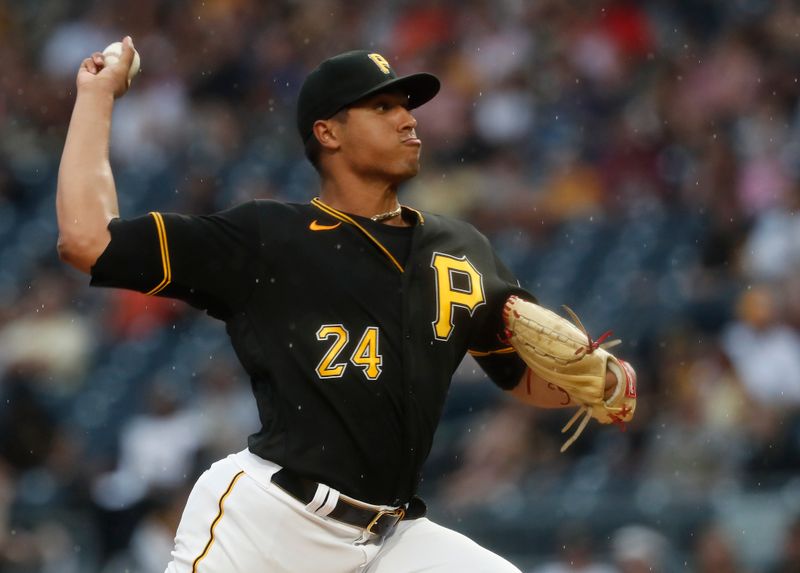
[
  {"x": 498, "y": 359},
  {"x": 209, "y": 261}
]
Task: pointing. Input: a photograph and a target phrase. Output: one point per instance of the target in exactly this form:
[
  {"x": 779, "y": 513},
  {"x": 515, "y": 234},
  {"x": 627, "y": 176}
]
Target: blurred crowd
[{"x": 639, "y": 161}]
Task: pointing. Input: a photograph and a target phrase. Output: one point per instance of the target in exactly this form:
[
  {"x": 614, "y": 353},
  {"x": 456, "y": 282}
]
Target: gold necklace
[
  {"x": 387, "y": 215},
  {"x": 377, "y": 218}
]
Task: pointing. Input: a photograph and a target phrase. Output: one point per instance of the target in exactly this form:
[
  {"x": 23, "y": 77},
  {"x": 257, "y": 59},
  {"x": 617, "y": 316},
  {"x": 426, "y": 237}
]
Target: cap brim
[{"x": 420, "y": 87}]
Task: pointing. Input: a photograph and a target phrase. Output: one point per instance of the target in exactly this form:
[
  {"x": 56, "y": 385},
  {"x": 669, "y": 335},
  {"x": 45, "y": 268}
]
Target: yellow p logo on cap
[{"x": 381, "y": 62}]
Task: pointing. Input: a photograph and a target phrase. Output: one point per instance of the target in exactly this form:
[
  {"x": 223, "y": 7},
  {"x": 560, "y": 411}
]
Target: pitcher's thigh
[
  {"x": 210, "y": 524},
  {"x": 233, "y": 524},
  {"x": 420, "y": 545}
]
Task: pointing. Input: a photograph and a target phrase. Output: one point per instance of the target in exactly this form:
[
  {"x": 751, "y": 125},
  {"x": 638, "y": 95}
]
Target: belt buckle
[{"x": 398, "y": 513}]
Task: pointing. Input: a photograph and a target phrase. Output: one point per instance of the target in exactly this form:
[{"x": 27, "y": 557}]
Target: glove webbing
[{"x": 590, "y": 347}]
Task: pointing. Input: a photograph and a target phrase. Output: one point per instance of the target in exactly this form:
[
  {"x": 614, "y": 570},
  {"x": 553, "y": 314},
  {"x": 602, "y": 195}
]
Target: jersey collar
[{"x": 345, "y": 218}]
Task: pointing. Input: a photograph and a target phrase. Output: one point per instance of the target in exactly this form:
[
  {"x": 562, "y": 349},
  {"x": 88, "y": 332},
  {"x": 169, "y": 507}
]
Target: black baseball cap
[{"x": 344, "y": 79}]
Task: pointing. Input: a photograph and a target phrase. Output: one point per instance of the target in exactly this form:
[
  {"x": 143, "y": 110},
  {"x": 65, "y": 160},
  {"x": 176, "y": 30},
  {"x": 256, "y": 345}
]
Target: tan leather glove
[{"x": 564, "y": 354}]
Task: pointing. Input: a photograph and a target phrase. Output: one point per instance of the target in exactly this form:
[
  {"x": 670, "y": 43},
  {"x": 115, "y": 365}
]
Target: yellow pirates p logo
[
  {"x": 381, "y": 62},
  {"x": 469, "y": 294}
]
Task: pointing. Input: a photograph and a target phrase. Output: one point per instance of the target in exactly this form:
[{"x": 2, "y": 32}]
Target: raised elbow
[{"x": 79, "y": 252}]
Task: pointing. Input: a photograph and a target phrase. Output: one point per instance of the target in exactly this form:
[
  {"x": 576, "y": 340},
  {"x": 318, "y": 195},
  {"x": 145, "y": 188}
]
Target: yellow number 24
[{"x": 366, "y": 355}]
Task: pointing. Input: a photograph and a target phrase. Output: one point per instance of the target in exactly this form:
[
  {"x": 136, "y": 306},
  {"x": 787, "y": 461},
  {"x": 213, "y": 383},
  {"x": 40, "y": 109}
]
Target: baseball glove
[{"x": 564, "y": 354}]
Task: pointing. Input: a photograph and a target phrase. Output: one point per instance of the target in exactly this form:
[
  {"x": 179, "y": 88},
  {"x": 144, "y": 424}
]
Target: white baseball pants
[{"x": 237, "y": 521}]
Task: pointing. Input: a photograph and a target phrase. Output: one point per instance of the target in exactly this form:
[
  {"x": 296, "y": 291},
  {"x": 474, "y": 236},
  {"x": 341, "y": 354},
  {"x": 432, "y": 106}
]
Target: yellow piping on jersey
[
  {"x": 481, "y": 354},
  {"x": 347, "y": 219},
  {"x": 216, "y": 521},
  {"x": 162, "y": 242},
  {"x": 419, "y": 214}
]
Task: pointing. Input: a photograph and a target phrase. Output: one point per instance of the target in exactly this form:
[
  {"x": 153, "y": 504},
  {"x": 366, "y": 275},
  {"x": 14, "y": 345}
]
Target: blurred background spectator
[
  {"x": 638, "y": 161},
  {"x": 576, "y": 553},
  {"x": 788, "y": 556},
  {"x": 640, "y": 549}
]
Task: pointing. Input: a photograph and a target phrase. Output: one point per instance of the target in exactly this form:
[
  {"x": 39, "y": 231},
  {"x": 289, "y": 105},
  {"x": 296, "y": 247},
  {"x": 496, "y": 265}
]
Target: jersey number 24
[{"x": 366, "y": 354}]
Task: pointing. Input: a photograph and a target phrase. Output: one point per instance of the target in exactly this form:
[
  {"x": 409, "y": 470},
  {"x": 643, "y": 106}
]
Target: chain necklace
[
  {"x": 387, "y": 215},
  {"x": 380, "y": 216}
]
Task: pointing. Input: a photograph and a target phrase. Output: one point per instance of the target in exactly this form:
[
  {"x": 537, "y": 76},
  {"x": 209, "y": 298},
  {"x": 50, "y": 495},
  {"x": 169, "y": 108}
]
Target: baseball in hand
[{"x": 112, "y": 54}]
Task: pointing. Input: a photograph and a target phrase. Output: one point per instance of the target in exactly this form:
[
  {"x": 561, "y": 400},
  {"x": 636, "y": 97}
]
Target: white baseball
[{"x": 112, "y": 54}]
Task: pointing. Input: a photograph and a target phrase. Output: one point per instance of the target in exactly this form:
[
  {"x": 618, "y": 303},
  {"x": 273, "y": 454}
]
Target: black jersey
[{"x": 349, "y": 349}]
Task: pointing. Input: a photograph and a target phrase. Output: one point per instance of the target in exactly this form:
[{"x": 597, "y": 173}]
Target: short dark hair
[
  {"x": 313, "y": 150},
  {"x": 312, "y": 146}
]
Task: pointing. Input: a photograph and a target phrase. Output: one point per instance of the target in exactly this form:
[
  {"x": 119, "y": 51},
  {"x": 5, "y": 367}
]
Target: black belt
[{"x": 379, "y": 523}]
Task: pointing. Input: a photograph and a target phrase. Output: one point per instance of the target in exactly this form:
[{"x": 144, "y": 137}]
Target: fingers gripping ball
[
  {"x": 112, "y": 54},
  {"x": 563, "y": 353}
]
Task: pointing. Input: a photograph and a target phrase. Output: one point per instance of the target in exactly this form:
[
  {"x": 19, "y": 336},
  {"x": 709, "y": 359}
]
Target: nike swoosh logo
[{"x": 314, "y": 226}]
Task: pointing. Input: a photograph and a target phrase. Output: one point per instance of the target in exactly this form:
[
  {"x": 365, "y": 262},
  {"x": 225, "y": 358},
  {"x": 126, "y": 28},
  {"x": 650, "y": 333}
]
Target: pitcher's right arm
[{"x": 86, "y": 198}]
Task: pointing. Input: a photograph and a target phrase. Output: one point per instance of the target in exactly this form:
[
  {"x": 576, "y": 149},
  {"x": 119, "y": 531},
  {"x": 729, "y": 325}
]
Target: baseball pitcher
[{"x": 350, "y": 313}]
